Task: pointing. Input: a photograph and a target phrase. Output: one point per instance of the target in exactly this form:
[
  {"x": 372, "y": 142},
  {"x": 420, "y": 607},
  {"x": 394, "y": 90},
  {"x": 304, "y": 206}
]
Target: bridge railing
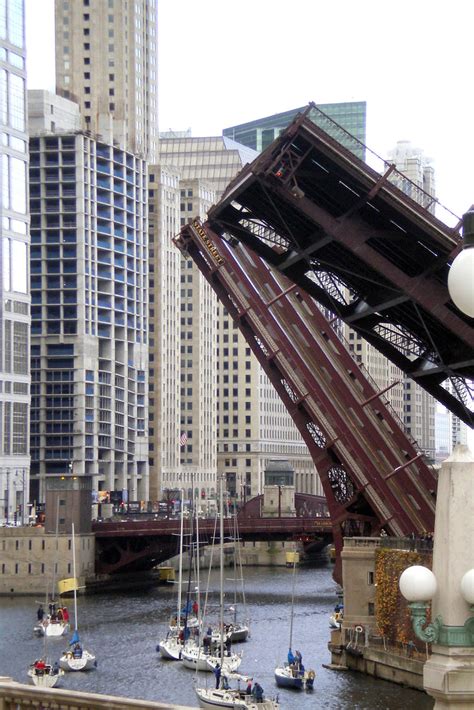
[{"x": 16, "y": 696}]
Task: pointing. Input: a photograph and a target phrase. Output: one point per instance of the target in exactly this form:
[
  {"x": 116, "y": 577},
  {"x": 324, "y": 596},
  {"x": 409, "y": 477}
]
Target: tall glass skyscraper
[
  {"x": 14, "y": 285},
  {"x": 349, "y": 115}
]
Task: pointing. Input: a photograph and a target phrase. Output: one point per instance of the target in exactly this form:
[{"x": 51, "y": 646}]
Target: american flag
[{"x": 183, "y": 439}]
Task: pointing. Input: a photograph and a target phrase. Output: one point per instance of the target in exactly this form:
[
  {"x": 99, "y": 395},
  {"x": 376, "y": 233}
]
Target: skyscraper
[
  {"x": 14, "y": 286},
  {"x": 106, "y": 60},
  {"x": 89, "y": 270},
  {"x": 248, "y": 425},
  {"x": 350, "y": 115}
]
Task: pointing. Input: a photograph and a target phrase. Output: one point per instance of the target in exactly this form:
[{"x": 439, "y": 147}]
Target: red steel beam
[{"x": 354, "y": 440}]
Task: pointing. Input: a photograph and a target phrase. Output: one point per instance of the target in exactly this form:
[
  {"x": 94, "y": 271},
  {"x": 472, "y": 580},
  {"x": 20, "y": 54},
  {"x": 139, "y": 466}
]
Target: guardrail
[{"x": 17, "y": 696}]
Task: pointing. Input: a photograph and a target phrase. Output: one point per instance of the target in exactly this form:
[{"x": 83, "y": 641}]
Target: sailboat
[
  {"x": 292, "y": 673},
  {"x": 206, "y": 659},
  {"x": 44, "y": 674},
  {"x": 224, "y": 697},
  {"x": 56, "y": 623},
  {"x": 172, "y": 646},
  {"x": 76, "y": 658},
  {"x": 236, "y": 630}
]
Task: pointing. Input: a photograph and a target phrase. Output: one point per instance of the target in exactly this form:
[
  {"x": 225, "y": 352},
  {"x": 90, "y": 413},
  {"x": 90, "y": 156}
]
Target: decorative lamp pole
[
  {"x": 448, "y": 675},
  {"x": 461, "y": 273}
]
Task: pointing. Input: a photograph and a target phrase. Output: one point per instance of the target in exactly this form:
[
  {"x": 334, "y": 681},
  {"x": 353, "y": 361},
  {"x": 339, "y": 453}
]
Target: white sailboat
[
  {"x": 54, "y": 624},
  {"x": 292, "y": 673},
  {"x": 44, "y": 674},
  {"x": 224, "y": 697},
  {"x": 172, "y": 646},
  {"x": 200, "y": 658},
  {"x": 76, "y": 658}
]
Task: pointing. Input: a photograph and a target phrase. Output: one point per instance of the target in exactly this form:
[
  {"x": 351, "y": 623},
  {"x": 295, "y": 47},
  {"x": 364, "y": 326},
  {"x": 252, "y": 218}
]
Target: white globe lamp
[
  {"x": 418, "y": 584},
  {"x": 467, "y": 586},
  {"x": 461, "y": 273}
]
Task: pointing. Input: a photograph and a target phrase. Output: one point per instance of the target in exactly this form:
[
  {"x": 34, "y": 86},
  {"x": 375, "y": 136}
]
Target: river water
[{"x": 123, "y": 630}]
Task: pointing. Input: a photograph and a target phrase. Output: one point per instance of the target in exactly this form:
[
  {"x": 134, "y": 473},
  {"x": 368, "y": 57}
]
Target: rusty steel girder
[
  {"x": 362, "y": 248},
  {"x": 373, "y": 476}
]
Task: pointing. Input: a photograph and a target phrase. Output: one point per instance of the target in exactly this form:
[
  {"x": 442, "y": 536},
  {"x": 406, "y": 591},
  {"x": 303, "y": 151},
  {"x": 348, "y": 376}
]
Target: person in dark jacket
[{"x": 217, "y": 673}]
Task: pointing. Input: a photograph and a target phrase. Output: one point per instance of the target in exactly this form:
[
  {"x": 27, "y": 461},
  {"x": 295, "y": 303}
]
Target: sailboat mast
[
  {"x": 180, "y": 569},
  {"x": 292, "y": 600},
  {"x": 56, "y": 556},
  {"x": 74, "y": 575},
  {"x": 221, "y": 564}
]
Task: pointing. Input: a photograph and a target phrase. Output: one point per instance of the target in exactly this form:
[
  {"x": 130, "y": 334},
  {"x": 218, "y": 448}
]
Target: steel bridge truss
[
  {"x": 372, "y": 475},
  {"x": 363, "y": 249}
]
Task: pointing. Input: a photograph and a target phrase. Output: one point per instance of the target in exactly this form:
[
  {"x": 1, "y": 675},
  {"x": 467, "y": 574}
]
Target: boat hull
[
  {"x": 200, "y": 661},
  {"x": 170, "y": 649},
  {"x": 85, "y": 663},
  {"x": 238, "y": 634},
  {"x": 47, "y": 678},
  {"x": 51, "y": 629},
  {"x": 285, "y": 679},
  {"x": 211, "y": 699}
]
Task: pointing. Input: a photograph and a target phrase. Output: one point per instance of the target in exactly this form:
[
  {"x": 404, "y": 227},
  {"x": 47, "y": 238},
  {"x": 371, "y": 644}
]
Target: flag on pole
[{"x": 183, "y": 438}]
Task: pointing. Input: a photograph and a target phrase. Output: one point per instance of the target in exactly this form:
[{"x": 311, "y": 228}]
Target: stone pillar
[{"x": 449, "y": 673}]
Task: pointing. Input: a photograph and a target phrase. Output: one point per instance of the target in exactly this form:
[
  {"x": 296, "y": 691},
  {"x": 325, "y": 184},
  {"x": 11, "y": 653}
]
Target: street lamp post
[{"x": 448, "y": 675}]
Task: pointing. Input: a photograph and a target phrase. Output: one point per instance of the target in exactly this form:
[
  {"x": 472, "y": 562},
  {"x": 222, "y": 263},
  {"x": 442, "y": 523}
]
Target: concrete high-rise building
[
  {"x": 89, "y": 271},
  {"x": 419, "y": 408},
  {"x": 164, "y": 342},
  {"x": 106, "y": 60},
  {"x": 250, "y": 425},
  {"x": 182, "y": 345},
  {"x": 413, "y": 164},
  {"x": 14, "y": 255}
]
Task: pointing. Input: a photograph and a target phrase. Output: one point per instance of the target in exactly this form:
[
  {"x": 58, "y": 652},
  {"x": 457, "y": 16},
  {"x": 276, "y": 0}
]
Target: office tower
[
  {"x": 106, "y": 60},
  {"x": 14, "y": 286},
  {"x": 252, "y": 426},
  {"x": 419, "y": 414},
  {"x": 88, "y": 204},
  {"x": 350, "y": 115},
  {"x": 413, "y": 164},
  {"x": 198, "y": 330},
  {"x": 164, "y": 342},
  {"x": 182, "y": 346}
]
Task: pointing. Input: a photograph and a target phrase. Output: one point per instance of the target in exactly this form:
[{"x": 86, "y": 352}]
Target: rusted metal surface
[
  {"x": 324, "y": 218},
  {"x": 371, "y": 473}
]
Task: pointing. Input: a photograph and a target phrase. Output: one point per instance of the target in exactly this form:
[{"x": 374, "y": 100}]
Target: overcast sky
[{"x": 222, "y": 63}]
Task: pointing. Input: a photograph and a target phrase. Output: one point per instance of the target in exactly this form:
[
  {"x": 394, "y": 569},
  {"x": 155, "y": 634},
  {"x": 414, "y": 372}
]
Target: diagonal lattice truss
[
  {"x": 363, "y": 249},
  {"x": 372, "y": 475}
]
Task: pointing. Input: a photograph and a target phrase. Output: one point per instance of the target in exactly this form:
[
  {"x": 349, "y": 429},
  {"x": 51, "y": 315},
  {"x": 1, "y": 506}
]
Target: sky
[{"x": 222, "y": 63}]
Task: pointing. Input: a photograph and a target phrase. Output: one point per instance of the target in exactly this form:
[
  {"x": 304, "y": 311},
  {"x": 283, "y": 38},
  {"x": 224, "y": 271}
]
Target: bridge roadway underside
[
  {"x": 138, "y": 546},
  {"x": 360, "y": 246}
]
